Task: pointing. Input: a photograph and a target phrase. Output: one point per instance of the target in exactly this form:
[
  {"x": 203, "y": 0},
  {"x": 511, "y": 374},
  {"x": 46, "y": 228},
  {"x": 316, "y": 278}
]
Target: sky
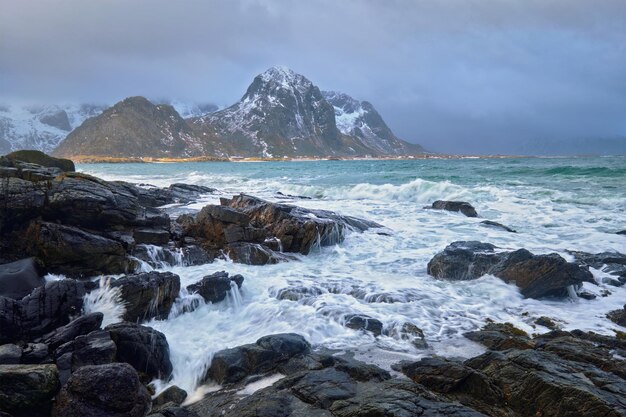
[{"x": 457, "y": 76}]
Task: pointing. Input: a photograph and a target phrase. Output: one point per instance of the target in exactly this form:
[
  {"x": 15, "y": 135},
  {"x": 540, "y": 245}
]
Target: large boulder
[
  {"x": 536, "y": 275},
  {"x": 458, "y": 206},
  {"x": 111, "y": 390},
  {"x": 618, "y": 316},
  {"x": 75, "y": 252},
  {"x": 148, "y": 295},
  {"x": 40, "y": 312},
  {"x": 20, "y": 278},
  {"x": 143, "y": 347},
  {"x": 214, "y": 288},
  {"x": 28, "y": 390},
  {"x": 298, "y": 229},
  {"x": 233, "y": 365}
]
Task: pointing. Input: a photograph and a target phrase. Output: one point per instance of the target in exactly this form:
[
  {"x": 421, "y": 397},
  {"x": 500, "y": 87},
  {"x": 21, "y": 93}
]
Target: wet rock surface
[
  {"x": 28, "y": 390},
  {"x": 103, "y": 390},
  {"x": 536, "y": 275},
  {"x": 214, "y": 288},
  {"x": 20, "y": 278},
  {"x": 142, "y": 347},
  {"x": 496, "y": 225},
  {"x": 458, "y": 206},
  {"x": 148, "y": 295}
]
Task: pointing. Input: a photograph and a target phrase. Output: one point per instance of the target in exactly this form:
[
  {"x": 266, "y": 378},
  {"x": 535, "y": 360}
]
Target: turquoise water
[{"x": 556, "y": 204}]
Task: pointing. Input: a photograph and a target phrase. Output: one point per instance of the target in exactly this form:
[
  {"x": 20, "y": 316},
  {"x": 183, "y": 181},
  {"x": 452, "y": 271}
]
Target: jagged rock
[
  {"x": 28, "y": 390},
  {"x": 80, "y": 326},
  {"x": 253, "y": 254},
  {"x": 458, "y": 206},
  {"x": 232, "y": 365},
  {"x": 214, "y": 288},
  {"x": 408, "y": 331},
  {"x": 298, "y": 229},
  {"x": 618, "y": 316},
  {"x": 496, "y": 225},
  {"x": 111, "y": 390},
  {"x": 501, "y": 336},
  {"x": 20, "y": 278},
  {"x": 10, "y": 354},
  {"x": 613, "y": 263},
  {"x": 148, "y": 295},
  {"x": 298, "y": 293},
  {"x": 95, "y": 348},
  {"x": 363, "y": 322},
  {"x": 45, "y": 309},
  {"x": 536, "y": 275},
  {"x": 144, "y": 348}
]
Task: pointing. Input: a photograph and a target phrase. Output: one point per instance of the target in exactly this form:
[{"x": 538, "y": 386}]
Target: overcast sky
[{"x": 473, "y": 76}]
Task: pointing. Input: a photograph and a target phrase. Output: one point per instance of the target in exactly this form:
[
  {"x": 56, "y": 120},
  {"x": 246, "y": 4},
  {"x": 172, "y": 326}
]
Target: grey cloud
[{"x": 453, "y": 75}]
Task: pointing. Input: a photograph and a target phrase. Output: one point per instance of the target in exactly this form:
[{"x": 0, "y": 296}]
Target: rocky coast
[{"x": 65, "y": 235}]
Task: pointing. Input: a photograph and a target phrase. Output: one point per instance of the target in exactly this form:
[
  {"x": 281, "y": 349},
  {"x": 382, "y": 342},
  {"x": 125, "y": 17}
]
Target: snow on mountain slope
[
  {"x": 281, "y": 114},
  {"x": 360, "y": 119},
  {"x": 40, "y": 127}
]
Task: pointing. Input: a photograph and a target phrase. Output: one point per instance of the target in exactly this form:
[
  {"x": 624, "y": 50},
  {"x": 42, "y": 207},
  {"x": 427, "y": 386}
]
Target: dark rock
[
  {"x": 618, "y": 316},
  {"x": 536, "y": 275},
  {"x": 45, "y": 309},
  {"x": 535, "y": 382},
  {"x": 363, "y": 322},
  {"x": 148, "y": 295},
  {"x": 40, "y": 158},
  {"x": 322, "y": 388},
  {"x": 497, "y": 225},
  {"x": 151, "y": 236},
  {"x": 297, "y": 228},
  {"x": 613, "y": 263},
  {"x": 298, "y": 293},
  {"x": 144, "y": 348},
  {"x": 546, "y": 322},
  {"x": 80, "y": 326},
  {"x": 214, "y": 288},
  {"x": 232, "y": 365},
  {"x": 501, "y": 336},
  {"x": 171, "y": 411},
  {"x": 35, "y": 353},
  {"x": 95, "y": 348},
  {"x": 111, "y": 390},
  {"x": 75, "y": 252},
  {"x": 20, "y": 278},
  {"x": 621, "y": 232},
  {"x": 253, "y": 254},
  {"x": 408, "y": 331},
  {"x": 10, "y": 354},
  {"x": 586, "y": 295},
  {"x": 172, "y": 394},
  {"x": 28, "y": 390},
  {"x": 458, "y": 206}
]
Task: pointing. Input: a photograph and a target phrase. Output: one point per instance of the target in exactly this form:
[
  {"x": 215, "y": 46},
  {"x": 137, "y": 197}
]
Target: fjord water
[{"x": 555, "y": 204}]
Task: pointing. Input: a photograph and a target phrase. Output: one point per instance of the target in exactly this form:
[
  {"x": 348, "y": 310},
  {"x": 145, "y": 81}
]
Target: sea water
[{"x": 555, "y": 204}]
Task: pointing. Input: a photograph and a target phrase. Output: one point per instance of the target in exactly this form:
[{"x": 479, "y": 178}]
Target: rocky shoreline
[{"x": 57, "y": 358}]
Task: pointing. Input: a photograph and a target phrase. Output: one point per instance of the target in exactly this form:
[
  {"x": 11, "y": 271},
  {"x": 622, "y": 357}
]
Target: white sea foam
[{"x": 384, "y": 276}]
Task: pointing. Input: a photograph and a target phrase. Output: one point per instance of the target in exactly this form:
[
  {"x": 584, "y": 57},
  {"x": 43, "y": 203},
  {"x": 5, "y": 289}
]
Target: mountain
[
  {"x": 361, "y": 120},
  {"x": 281, "y": 114},
  {"x": 134, "y": 127},
  {"x": 188, "y": 109},
  {"x": 40, "y": 127}
]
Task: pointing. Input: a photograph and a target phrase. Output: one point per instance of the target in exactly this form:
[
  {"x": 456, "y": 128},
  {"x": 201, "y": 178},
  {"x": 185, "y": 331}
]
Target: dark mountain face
[
  {"x": 281, "y": 114},
  {"x": 361, "y": 120},
  {"x": 134, "y": 127}
]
